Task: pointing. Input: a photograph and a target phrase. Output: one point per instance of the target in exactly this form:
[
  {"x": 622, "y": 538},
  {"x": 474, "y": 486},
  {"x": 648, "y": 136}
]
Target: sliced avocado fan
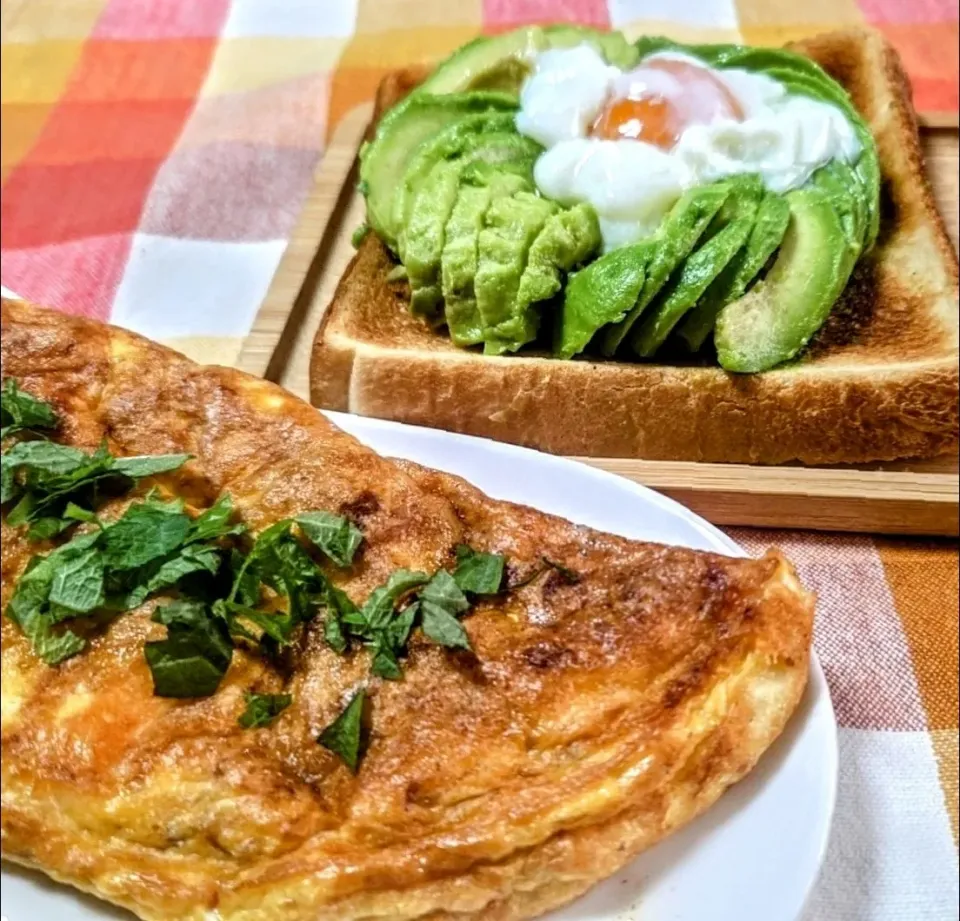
[
  {"x": 672, "y": 243},
  {"x": 567, "y": 239},
  {"x": 460, "y": 258},
  {"x": 450, "y": 143},
  {"x": 724, "y": 238},
  {"x": 431, "y": 197},
  {"x": 401, "y": 132},
  {"x": 510, "y": 227},
  {"x": 773, "y": 321},
  {"x": 765, "y": 237},
  {"x": 601, "y": 293}
]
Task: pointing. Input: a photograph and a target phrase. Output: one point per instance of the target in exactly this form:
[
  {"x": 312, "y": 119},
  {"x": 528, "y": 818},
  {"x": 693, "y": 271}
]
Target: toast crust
[{"x": 878, "y": 382}]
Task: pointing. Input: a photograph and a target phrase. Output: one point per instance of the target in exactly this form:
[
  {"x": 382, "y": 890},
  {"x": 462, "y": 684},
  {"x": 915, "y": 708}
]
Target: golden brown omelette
[{"x": 607, "y": 701}]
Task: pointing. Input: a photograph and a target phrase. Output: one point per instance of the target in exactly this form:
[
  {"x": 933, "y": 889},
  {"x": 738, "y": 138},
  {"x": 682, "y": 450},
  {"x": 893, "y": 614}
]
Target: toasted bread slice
[{"x": 878, "y": 382}]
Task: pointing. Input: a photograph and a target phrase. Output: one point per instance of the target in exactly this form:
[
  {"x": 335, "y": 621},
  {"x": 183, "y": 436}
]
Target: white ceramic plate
[{"x": 753, "y": 857}]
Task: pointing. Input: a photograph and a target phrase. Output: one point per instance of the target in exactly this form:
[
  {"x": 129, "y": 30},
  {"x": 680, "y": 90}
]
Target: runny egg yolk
[{"x": 657, "y": 110}]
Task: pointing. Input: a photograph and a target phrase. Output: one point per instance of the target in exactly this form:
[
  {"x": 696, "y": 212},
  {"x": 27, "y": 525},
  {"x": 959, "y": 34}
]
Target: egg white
[{"x": 784, "y": 138}]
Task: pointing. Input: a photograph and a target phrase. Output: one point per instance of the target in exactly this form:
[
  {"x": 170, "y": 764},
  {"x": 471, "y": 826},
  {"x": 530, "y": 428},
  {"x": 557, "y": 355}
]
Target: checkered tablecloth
[{"x": 155, "y": 157}]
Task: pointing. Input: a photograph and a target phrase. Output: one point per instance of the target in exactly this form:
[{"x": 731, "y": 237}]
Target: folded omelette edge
[{"x": 597, "y": 715}]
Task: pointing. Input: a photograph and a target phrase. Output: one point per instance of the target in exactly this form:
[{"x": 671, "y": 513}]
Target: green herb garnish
[
  {"x": 262, "y": 709},
  {"x": 343, "y": 736},
  {"x": 336, "y": 536},
  {"x": 19, "y": 411},
  {"x": 153, "y": 546},
  {"x": 441, "y": 600},
  {"x": 44, "y": 478},
  {"x": 156, "y": 546},
  {"x": 196, "y": 654},
  {"x": 478, "y": 573}
]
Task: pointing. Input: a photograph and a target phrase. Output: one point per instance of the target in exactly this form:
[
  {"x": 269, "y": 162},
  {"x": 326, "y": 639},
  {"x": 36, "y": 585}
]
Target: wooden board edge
[
  {"x": 266, "y": 346},
  {"x": 814, "y": 498}
]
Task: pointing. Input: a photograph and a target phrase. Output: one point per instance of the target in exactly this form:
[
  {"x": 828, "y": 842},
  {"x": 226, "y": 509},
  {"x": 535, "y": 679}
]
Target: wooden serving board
[{"x": 903, "y": 498}]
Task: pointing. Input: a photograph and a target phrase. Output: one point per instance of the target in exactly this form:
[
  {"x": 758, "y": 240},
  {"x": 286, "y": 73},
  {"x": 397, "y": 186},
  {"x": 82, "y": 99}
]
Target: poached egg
[{"x": 630, "y": 142}]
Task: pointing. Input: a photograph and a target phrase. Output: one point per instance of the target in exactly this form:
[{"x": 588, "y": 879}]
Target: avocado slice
[
  {"x": 775, "y": 319},
  {"x": 673, "y": 242},
  {"x": 568, "y": 238},
  {"x": 479, "y": 155},
  {"x": 511, "y": 225},
  {"x": 499, "y": 62},
  {"x": 424, "y": 238},
  {"x": 450, "y": 143},
  {"x": 402, "y": 131},
  {"x": 503, "y": 62},
  {"x": 724, "y": 239},
  {"x": 836, "y": 181},
  {"x": 766, "y": 234},
  {"x": 458, "y": 264},
  {"x": 599, "y": 294}
]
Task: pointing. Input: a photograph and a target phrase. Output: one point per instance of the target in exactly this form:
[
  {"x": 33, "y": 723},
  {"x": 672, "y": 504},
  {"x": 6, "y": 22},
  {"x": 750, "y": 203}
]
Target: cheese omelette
[{"x": 609, "y": 698}]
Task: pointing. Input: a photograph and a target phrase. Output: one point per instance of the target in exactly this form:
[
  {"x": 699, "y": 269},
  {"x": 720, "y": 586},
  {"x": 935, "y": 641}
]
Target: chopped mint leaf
[
  {"x": 343, "y": 736},
  {"x": 166, "y": 573},
  {"x": 145, "y": 532},
  {"x": 196, "y": 654},
  {"x": 51, "y": 646},
  {"x": 263, "y": 709},
  {"x": 148, "y": 465},
  {"x": 29, "y": 607},
  {"x": 74, "y": 512},
  {"x": 442, "y": 627},
  {"x": 478, "y": 573},
  {"x": 385, "y": 663},
  {"x": 47, "y": 477},
  {"x": 45, "y": 458},
  {"x": 378, "y": 608},
  {"x": 47, "y": 528},
  {"x": 77, "y": 584},
  {"x": 398, "y": 630},
  {"x": 283, "y": 564},
  {"x": 336, "y": 536},
  {"x": 214, "y": 523},
  {"x": 333, "y": 633},
  {"x": 20, "y": 411},
  {"x": 443, "y": 591}
]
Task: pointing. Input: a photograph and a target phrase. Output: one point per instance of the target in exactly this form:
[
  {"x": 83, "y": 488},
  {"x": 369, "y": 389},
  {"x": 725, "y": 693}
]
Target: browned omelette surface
[{"x": 595, "y": 717}]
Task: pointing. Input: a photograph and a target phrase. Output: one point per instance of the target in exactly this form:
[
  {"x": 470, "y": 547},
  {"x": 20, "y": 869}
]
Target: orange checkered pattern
[{"x": 155, "y": 157}]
